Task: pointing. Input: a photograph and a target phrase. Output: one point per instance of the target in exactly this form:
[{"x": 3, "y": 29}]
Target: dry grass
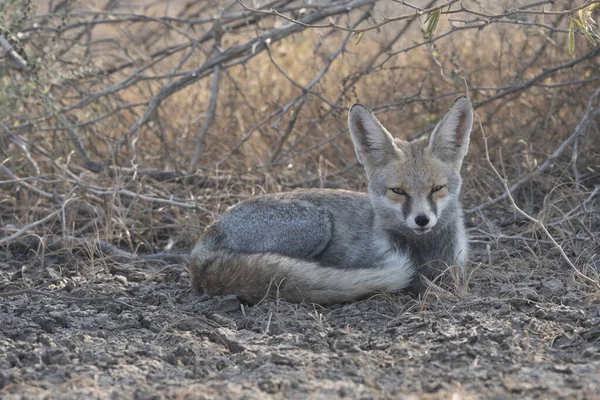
[{"x": 408, "y": 92}]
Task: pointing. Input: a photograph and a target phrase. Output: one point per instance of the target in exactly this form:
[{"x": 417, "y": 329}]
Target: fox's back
[{"x": 328, "y": 226}]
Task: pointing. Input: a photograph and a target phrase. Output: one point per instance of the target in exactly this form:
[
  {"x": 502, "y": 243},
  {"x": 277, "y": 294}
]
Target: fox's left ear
[{"x": 450, "y": 138}]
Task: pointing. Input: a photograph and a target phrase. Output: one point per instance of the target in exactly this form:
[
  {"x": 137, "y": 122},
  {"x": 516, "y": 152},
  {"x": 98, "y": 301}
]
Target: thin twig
[
  {"x": 210, "y": 116},
  {"x": 12, "y": 54},
  {"x": 29, "y": 227},
  {"x": 590, "y": 115},
  {"x": 129, "y": 193},
  {"x": 214, "y": 95},
  {"x": 54, "y": 197},
  {"x": 529, "y": 217},
  {"x": 417, "y": 13}
]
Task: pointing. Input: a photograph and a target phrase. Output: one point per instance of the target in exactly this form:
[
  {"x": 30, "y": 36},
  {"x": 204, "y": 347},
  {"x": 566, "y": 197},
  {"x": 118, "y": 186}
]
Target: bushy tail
[{"x": 253, "y": 277}]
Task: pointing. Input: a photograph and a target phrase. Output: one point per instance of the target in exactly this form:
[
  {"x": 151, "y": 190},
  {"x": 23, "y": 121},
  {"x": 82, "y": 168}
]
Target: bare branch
[
  {"x": 529, "y": 217},
  {"x": 592, "y": 112},
  {"x": 20, "y": 182},
  {"x": 23, "y": 230},
  {"x": 210, "y": 115},
  {"x": 418, "y": 13},
  {"x": 12, "y": 54}
]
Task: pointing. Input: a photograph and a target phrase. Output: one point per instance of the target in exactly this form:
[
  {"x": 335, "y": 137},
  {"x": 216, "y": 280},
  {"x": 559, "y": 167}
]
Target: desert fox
[{"x": 328, "y": 246}]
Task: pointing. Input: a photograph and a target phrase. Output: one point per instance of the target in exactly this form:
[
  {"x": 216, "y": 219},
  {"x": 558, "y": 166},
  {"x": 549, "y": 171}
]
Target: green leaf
[
  {"x": 572, "y": 38},
  {"x": 432, "y": 18},
  {"x": 360, "y": 36},
  {"x": 586, "y": 32}
]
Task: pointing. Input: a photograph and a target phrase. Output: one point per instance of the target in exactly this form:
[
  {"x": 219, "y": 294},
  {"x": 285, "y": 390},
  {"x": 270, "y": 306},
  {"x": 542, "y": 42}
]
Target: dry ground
[{"x": 524, "y": 328}]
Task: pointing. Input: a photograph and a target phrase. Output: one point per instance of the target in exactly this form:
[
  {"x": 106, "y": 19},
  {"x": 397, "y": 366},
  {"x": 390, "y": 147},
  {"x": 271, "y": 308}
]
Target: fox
[{"x": 327, "y": 246}]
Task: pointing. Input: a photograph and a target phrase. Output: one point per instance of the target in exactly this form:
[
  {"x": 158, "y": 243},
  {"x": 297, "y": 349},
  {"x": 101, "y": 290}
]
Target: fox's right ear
[
  {"x": 373, "y": 144},
  {"x": 450, "y": 138}
]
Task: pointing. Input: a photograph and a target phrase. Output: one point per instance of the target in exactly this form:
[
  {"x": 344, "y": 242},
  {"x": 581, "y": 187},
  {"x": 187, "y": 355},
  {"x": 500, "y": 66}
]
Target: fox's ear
[
  {"x": 450, "y": 138},
  {"x": 373, "y": 144}
]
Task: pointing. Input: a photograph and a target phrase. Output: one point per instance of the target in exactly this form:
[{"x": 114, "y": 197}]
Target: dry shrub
[{"x": 95, "y": 79}]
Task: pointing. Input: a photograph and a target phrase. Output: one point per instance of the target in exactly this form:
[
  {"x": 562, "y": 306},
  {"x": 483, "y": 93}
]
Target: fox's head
[{"x": 413, "y": 184}]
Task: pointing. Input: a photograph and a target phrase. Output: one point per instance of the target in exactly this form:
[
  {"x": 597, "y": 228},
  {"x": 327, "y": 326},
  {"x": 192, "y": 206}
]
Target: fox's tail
[{"x": 252, "y": 277}]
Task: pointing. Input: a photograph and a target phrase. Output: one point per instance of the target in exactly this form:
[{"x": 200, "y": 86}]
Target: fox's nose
[{"x": 421, "y": 220}]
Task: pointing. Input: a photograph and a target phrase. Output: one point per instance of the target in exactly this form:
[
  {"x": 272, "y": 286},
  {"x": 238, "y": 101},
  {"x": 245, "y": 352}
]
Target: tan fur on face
[
  {"x": 396, "y": 198},
  {"x": 440, "y": 194},
  {"x": 415, "y": 172}
]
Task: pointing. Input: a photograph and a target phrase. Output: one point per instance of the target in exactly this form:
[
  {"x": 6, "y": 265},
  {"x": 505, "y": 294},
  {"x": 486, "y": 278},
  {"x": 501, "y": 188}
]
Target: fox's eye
[
  {"x": 437, "y": 188},
  {"x": 398, "y": 191}
]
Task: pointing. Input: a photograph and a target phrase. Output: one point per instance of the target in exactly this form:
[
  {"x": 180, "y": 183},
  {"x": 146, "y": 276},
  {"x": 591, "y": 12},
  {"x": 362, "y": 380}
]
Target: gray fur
[
  {"x": 274, "y": 238},
  {"x": 308, "y": 228},
  {"x": 450, "y": 139},
  {"x": 375, "y": 149},
  {"x": 332, "y": 227}
]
